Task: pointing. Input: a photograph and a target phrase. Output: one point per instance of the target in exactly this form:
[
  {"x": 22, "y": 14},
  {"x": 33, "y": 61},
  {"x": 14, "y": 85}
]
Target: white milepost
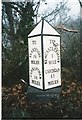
[{"x": 44, "y": 56}]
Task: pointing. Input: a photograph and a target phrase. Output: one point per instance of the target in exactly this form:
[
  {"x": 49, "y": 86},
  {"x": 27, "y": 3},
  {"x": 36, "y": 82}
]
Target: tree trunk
[{"x": 8, "y": 9}]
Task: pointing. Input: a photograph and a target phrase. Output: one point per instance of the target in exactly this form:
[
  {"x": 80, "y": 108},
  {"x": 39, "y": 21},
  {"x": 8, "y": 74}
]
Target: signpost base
[{"x": 36, "y": 95}]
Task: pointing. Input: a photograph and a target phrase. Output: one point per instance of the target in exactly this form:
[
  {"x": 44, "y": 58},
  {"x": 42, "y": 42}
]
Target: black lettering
[
  {"x": 34, "y": 56},
  {"x": 52, "y": 62},
  {"x": 55, "y": 49},
  {"x": 52, "y": 75},
  {"x": 45, "y": 61},
  {"x": 51, "y": 70},
  {"x": 35, "y": 77},
  {"x": 36, "y": 82},
  {"x": 52, "y": 41},
  {"x": 34, "y": 42},
  {"x": 34, "y": 62},
  {"x": 53, "y": 82},
  {"x": 35, "y": 50},
  {"x": 52, "y": 55}
]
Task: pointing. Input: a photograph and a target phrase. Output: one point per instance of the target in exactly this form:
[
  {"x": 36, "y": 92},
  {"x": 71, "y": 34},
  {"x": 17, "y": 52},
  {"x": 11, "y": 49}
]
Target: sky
[{"x": 73, "y": 4}]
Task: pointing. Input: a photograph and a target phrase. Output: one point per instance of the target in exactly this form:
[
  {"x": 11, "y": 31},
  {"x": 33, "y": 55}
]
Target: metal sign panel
[
  {"x": 52, "y": 64},
  {"x": 48, "y": 29},
  {"x": 35, "y": 62}
]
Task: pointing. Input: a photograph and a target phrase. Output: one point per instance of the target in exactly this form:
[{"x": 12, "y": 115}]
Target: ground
[{"x": 15, "y": 103}]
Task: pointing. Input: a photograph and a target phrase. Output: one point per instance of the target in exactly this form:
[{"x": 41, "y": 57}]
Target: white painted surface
[
  {"x": 35, "y": 62},
  {"x": 36, "y": 30},
  {"x": 47, "y": 29},
  {"x": 51, "y": 57},
  {"x": 52, "y": 64}
]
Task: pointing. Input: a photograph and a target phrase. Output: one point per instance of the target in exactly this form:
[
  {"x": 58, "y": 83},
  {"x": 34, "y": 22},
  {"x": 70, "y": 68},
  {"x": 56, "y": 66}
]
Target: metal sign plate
[
  {"x": 52, "y": 64},
  {"x": 35, "y": 62}
]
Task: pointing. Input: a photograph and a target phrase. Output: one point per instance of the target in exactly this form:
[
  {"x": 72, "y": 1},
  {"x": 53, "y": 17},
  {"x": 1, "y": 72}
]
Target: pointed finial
[{"x": 42, "y": 18}]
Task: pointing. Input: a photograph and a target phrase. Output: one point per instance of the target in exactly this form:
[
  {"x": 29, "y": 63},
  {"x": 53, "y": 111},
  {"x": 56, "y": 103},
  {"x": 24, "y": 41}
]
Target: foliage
[
  {"x": 17, "y": 22},
  {"x": 71, "y": 99},
  {"x": 71, "y": 58},
  {"x": 70, "y": 51},
  {"x": 15, "y": 103}
]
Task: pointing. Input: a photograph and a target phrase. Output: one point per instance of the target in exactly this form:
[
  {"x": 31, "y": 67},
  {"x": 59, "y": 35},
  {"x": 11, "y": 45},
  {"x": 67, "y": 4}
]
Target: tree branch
[
  {"x": 55, "y": 11},
  {"x": 62, "y": 27}
]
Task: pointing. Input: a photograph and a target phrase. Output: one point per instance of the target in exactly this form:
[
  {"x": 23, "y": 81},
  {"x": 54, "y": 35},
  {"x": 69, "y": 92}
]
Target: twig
[{"x": 55, "y": 11}]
